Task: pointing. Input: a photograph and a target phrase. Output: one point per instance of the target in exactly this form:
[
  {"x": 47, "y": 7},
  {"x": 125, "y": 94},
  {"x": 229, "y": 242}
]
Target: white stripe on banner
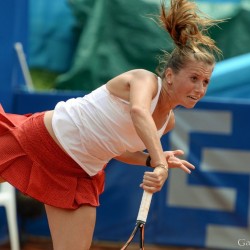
[
  {"x": 217, "y": 160},
  {"x": 179, "y": 191},
  {"x": 226, "y": 161},
  {"x": 228, "y": 237},
  {"x": 183, "y": 195}
]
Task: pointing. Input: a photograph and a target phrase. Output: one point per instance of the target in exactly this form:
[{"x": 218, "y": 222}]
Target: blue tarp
[
  {"x": 74, "y": 47},
  {"x": 52, "y": 35},
  {"x": 231, "y": 78}
]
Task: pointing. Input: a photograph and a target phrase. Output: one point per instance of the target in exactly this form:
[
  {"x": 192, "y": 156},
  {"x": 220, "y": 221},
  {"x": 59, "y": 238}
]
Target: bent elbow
[{"x": 137, "y": 111}]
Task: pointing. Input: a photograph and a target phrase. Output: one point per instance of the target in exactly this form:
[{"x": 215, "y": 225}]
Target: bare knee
[{"x": 71, "y": 229}]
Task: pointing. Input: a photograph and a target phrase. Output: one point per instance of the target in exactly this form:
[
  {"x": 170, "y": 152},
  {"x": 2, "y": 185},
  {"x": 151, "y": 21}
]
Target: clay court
[{"x": 45, "y": 244}]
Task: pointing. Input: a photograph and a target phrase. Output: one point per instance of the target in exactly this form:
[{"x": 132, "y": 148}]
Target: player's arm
[
  {"x": 172, "y": 157},
  {"x": 143, "y": 88},
  {"x": 133, "y": 158}
]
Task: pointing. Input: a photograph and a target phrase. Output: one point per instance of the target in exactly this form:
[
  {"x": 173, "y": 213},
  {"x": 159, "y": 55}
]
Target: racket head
[{"x": 138, "y": 226}]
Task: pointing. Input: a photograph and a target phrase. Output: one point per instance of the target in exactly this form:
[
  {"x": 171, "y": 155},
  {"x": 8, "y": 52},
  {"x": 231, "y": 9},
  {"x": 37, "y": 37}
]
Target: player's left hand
[{"x": 174, "y": 162}]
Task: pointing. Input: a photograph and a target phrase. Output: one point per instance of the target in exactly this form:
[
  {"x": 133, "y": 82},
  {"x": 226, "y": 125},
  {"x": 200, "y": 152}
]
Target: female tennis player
[{"x": 58, "y": 156}]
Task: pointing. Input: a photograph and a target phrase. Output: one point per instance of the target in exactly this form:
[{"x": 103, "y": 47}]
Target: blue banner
[
  {"x": 208, "y": 208},
  {"x": 13, "y": 29}
]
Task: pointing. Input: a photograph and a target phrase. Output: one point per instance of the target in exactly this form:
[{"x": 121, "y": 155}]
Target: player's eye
[
  {"x": 193, "y": 78},
  {"x": 205, "y": 83}
]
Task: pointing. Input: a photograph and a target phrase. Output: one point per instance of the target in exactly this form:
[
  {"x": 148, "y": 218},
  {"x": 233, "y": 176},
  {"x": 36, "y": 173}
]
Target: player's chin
[{"x": 189, "y": 105}]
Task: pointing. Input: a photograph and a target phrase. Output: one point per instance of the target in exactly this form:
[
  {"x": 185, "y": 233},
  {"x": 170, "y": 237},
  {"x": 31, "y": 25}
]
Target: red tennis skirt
[{"x": 32, "y": 162}]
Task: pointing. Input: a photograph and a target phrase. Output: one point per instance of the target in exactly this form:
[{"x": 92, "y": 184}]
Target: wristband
[
  {"x": 162, "y": 166},
  {"x": 148, "y": 161}
]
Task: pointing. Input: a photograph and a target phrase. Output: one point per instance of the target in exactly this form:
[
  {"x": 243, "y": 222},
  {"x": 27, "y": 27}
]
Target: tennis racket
[{"x": 141, "y": 220}]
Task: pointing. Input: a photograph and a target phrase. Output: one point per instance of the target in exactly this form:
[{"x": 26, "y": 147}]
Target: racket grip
[
  {"x": 144, "y": 207},
  {"x": 146, "y": 200}
]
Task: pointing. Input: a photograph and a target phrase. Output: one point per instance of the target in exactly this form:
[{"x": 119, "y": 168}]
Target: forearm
[
  {"x": 133, "y": 158},
  {"x": 147, "y": 131}
]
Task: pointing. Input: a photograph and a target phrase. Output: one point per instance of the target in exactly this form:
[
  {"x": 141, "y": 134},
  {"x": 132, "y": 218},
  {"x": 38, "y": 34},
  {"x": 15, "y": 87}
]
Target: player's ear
[{"x": 169, "y": 74}]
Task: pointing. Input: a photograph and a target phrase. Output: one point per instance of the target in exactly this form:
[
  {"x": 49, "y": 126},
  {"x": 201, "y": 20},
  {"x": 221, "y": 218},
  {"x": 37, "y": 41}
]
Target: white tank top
[{"x": 95, "y": 128}]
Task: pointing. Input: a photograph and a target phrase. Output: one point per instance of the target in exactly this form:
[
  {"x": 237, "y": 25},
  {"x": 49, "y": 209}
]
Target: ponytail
[{"x": 188, "y": 27}]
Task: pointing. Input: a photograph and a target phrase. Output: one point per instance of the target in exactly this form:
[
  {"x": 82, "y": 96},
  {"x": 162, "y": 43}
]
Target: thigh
[{"x": 71, "y": 229}]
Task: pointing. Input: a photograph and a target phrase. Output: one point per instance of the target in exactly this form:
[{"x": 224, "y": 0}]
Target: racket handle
[
  {"x": 144, "y": 207},
  {"x": 146, "y": 201}
]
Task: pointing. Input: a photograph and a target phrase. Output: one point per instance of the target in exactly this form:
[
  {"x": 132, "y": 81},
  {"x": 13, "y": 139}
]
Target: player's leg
[{"x": 71, "y": 229}]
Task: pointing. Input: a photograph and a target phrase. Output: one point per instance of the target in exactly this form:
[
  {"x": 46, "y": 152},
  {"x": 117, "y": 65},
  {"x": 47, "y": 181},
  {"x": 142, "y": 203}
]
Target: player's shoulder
[
  {"x": 141, "y": 73},
  {"x": 135, "y": 77},
  {"x": 142, "y": 77},
  {"x": 137, "y": 74}
]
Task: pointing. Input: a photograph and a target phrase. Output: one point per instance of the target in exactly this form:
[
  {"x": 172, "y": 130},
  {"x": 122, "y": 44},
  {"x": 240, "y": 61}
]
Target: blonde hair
[{"x": 188, "y": 27}]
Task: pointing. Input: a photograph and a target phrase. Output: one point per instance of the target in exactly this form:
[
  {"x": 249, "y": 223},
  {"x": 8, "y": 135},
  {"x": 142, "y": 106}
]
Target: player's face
[{"x": 190, "y": 83}]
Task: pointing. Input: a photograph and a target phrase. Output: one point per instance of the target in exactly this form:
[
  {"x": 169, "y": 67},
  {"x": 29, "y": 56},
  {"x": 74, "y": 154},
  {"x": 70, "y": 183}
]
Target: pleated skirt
[{"x": 32, "y": 162}]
